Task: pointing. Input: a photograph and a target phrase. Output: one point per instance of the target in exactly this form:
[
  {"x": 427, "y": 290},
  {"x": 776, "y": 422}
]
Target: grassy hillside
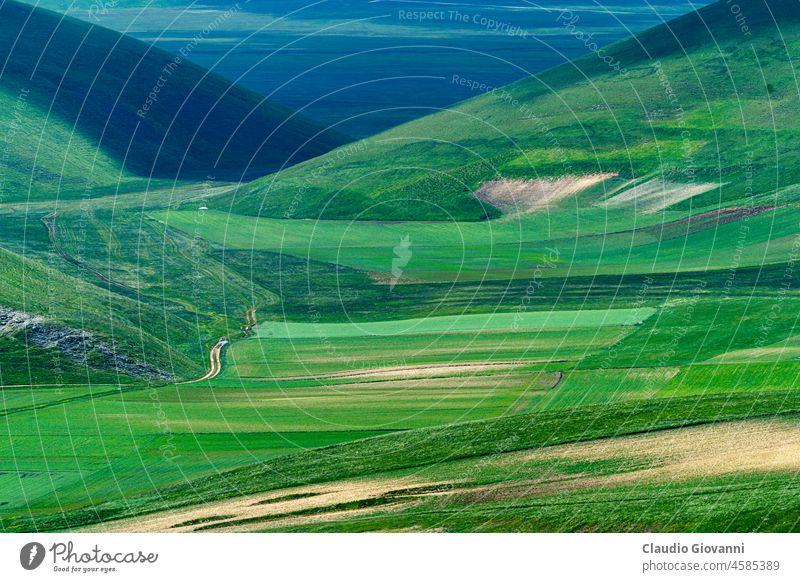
[
  {"x": 141, "y": 332},
  {"x": 87, "y": 111},
  {"x": 699, "y": 100},
  {"x": 157, "y": 296},
  {"x": 622, "y": 357}
]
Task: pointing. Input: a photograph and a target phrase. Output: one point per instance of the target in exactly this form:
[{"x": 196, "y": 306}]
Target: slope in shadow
[{"x": 156, "y": 113}]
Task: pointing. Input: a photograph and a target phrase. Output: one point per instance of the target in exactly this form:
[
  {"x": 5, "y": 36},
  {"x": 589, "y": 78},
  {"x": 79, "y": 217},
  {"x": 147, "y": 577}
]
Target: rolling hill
[
  {"x": 616, "y": 351},
  {"x": 79, "y": 120},
  {"x": 87, "y": 111},
  {"x": 707, "y": 100}
]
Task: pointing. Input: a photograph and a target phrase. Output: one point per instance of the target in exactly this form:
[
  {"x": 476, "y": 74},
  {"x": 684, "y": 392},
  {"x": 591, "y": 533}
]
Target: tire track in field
[{"x": 52, "y": 231}]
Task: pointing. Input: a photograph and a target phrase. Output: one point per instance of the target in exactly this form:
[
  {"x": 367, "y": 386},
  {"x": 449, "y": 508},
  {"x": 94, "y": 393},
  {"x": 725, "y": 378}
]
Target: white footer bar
[{"x": 401, "y": 557}]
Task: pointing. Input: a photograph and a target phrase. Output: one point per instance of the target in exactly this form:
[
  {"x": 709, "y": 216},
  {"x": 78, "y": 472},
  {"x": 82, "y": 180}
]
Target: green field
[
  {"x": 454, "y": 324},
  {"x": 406, "y": 348},
  {"x": 414, "y": 346},
  {"x": 551, "y": 244},
  {"x": 412, "y": 450}
]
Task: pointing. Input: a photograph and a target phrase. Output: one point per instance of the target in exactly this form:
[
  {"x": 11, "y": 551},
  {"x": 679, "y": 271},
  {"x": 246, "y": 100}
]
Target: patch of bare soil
[
  {"x": 656, "y": 195},
  {"x": 423, "y": 370},
  {"x": 221, "y": 516},
  {"x": 664, "y": 456},
  {"x": 523, "y": 196},
  {"x": 673, "y": 455}
]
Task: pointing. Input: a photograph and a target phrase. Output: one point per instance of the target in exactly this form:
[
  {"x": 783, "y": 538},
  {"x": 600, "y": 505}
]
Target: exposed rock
[
  {"x": 77, "y": 344},
  {"x": 12, "y": 321}
]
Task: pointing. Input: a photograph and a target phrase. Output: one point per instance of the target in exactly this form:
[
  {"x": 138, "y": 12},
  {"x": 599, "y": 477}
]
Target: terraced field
[{"x": 468, "y": 343}]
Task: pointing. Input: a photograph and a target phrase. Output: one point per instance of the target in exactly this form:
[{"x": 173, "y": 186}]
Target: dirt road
[
  {"x": 215, "y": 358},
  {"x": 250, "y": 316}
]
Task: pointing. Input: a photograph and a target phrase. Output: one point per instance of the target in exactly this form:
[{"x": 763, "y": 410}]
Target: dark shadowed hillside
[{"x": 83, "y": 106}]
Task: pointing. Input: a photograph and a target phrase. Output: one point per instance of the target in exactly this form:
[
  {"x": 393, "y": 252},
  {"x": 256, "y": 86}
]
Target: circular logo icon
[{"x": 31, "y": 555}]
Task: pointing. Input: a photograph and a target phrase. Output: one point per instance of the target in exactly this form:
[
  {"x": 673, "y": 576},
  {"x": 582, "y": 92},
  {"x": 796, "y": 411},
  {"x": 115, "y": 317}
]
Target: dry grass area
[
  {"x": 755, "y": 446},
  {"x": 423, "y": 370},
  {"x": 782, "y": 351},
  {"x": 657, "y": 195},
  {"x": 523, "y": 196},
  {"x": 706, "y": 451},
  {"x": 267, "y": 506},
  {"x": 665, "y": 456}
]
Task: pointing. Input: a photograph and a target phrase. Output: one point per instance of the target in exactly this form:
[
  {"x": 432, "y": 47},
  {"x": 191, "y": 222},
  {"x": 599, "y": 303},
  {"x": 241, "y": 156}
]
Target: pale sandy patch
[
  {"x": 658, "y": 194},
  {"x": 662, "y": 457},
  {"x": 754, "y": 446},
  {"x": 523, "y": 196},
  {"x": 251, "y": 506},
  {"x": 706, "y": 451},
  {"x": 422, "y": 371},
  {"x": 506, "y": 380}
]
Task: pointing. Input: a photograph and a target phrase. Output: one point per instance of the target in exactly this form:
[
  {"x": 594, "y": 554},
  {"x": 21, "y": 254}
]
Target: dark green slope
[
  {"x": 83, "y": 106},
  {"x": 708, "y": 97}
]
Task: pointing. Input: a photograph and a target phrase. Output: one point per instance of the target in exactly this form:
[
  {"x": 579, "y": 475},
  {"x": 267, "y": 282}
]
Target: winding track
[
  {"x": 216, "y": 352},
  {"x": 215, "y": 358}
]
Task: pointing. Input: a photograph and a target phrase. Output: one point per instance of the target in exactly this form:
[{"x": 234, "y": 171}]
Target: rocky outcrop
[{"x": 79, "y": 345}]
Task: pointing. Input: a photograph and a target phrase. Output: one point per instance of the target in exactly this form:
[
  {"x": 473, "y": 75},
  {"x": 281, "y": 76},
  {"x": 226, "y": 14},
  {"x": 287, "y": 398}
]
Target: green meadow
[
  {"x": 454, "y": 324},
  {"x": 543, "y": 245},
  {"x": 404, "y": 349}
]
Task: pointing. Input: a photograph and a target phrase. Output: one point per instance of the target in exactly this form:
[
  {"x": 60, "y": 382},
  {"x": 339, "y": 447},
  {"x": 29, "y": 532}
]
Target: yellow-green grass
[
  {"x": 522, "y": 321},
  {"x": 143, "y": 439},
  {"x": 411, "y": 451},
  {"x": 603, "y": 385},
  {"x": 659, "y": 481},
  {"x": 589, "y": 241},
  {"x": 67, "y": 445},
  {"x": 266, "y": 358},
  {"x": 735, "y": 377}
]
